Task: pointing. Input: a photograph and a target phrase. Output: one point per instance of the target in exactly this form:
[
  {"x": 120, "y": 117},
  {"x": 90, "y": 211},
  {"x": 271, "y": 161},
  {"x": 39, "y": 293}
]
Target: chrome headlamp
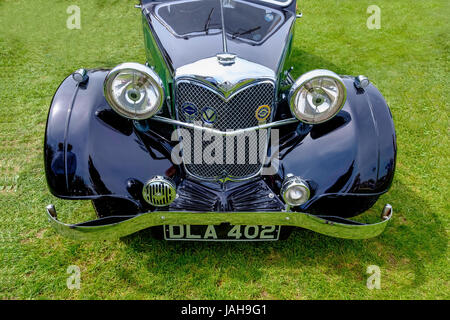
[
  {"x": 317, "y": 96},
  {"x": 134, "y": 91}
]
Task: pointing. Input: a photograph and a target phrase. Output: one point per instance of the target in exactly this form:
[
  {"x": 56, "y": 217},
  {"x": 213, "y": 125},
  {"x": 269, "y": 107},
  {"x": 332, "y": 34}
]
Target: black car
[{"x": 213, "y": 139}]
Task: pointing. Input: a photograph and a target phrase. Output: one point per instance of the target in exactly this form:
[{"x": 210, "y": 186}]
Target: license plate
[{"x": 221, "y": 233}]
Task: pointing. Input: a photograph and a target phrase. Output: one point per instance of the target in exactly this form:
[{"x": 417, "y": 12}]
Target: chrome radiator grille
[{"x": 238, "y": 112}]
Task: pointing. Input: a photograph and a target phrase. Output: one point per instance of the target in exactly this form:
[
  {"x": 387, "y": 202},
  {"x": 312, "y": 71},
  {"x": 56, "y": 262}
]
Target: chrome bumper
[{"x": 120, "y": 226}]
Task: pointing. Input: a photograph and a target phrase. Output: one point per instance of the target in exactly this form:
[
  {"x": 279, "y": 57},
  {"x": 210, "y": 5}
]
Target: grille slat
[{"x": 237, "y": 113}]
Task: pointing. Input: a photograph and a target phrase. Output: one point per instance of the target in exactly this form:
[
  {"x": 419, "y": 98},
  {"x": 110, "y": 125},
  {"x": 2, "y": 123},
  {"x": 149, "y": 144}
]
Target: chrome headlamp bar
[
  {"x": 224, "y": 133},
  {"x": 116, "y": 227}
]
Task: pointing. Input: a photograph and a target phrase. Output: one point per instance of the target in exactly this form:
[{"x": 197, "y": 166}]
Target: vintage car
[{"x": 213, "y": 139}]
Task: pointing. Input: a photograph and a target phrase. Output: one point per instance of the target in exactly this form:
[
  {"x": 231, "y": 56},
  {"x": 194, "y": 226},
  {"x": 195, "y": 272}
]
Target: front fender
[
  {"x": 91, "y": 152},
  {"x": 353, "y": 155}
]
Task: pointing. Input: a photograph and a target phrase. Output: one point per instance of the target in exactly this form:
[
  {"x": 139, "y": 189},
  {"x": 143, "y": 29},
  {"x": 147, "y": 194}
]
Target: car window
[{"x": 244, "y": 21}]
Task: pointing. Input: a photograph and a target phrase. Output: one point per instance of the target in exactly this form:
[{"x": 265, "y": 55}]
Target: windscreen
[{"x": 245, "y": 21}]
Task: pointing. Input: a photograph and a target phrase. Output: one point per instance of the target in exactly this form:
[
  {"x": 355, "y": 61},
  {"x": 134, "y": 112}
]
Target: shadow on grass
[{"x": 415, "y": 238}]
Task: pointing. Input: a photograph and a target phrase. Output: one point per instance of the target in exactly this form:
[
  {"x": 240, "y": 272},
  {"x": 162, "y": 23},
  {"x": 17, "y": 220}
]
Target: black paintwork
[
  {"x": 93, "y": 153},
  {"x": 110, "y": 152},
  {"x": 185, "y": 28}
]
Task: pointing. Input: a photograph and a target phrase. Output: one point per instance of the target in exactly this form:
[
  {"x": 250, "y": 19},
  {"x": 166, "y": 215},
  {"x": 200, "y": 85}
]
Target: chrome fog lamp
[
  {"x": 159, "y": 191},
  {"x": 317, "y": 96},
  {"x": 134, "y": 91},
  {"x": 295, "y": 191}
]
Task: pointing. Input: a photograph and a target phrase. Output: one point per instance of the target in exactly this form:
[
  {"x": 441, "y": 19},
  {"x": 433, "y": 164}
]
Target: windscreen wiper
[
  {"x": 208, "y": 22},
  {"x": 242, "y": 33}
]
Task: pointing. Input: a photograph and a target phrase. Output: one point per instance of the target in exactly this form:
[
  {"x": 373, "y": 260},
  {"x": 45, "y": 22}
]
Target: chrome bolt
[{"x": 271, "y": 195}]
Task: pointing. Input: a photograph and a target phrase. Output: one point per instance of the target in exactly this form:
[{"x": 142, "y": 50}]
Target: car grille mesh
[{"x": 237, "y": 113}]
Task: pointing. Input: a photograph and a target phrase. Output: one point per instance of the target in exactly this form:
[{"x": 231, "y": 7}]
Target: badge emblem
[
  {"x": 226, "y": 86},
  {"x": 263, "y": 113},
  {"x": 209, "y": 115},
  {"x": 190, "y": 111}
]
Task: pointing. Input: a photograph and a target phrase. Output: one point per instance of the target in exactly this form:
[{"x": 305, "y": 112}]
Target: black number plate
[{"x": 221, "y": 233}]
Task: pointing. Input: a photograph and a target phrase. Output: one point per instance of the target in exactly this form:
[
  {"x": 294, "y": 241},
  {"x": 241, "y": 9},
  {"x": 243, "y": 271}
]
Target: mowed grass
[{"x": 407, "y": 59}]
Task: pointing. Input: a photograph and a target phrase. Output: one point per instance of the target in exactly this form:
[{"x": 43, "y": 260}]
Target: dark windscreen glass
[
  {"x": 192, "y": 17},
  {"x": 251, "y": 22},
  {"x": 243, "y": 20}
]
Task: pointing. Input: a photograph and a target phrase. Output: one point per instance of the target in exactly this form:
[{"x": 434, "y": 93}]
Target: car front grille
[{"x": 239, "y": 112}]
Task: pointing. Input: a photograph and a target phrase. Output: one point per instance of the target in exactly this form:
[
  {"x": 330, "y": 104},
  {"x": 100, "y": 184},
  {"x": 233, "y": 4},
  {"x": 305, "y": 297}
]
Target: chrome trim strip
[
  {"x": 66, "y": 131},
  {"x": 225, "y": 133},
  {"x": 116, "y": 227}
]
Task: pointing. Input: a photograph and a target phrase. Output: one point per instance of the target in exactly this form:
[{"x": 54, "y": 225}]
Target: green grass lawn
[{"x": 408, "y": 61}]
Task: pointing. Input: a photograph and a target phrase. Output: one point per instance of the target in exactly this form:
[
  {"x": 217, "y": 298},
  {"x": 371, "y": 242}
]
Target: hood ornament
[{"x": 226, "y": 59}]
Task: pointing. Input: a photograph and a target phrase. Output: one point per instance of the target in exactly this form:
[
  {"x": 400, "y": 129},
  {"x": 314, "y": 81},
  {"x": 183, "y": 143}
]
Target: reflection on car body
[{"x": 214, "y": 139}]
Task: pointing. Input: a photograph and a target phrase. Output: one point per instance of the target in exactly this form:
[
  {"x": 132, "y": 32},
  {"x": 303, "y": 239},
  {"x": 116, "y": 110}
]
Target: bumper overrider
[{"x": 115, "y": 227}]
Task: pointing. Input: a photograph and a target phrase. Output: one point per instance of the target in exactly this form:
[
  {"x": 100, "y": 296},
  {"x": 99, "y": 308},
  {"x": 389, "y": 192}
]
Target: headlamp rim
[
  {"x": 153, "y": 78},
  {"x": 308, "y": 77}
]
